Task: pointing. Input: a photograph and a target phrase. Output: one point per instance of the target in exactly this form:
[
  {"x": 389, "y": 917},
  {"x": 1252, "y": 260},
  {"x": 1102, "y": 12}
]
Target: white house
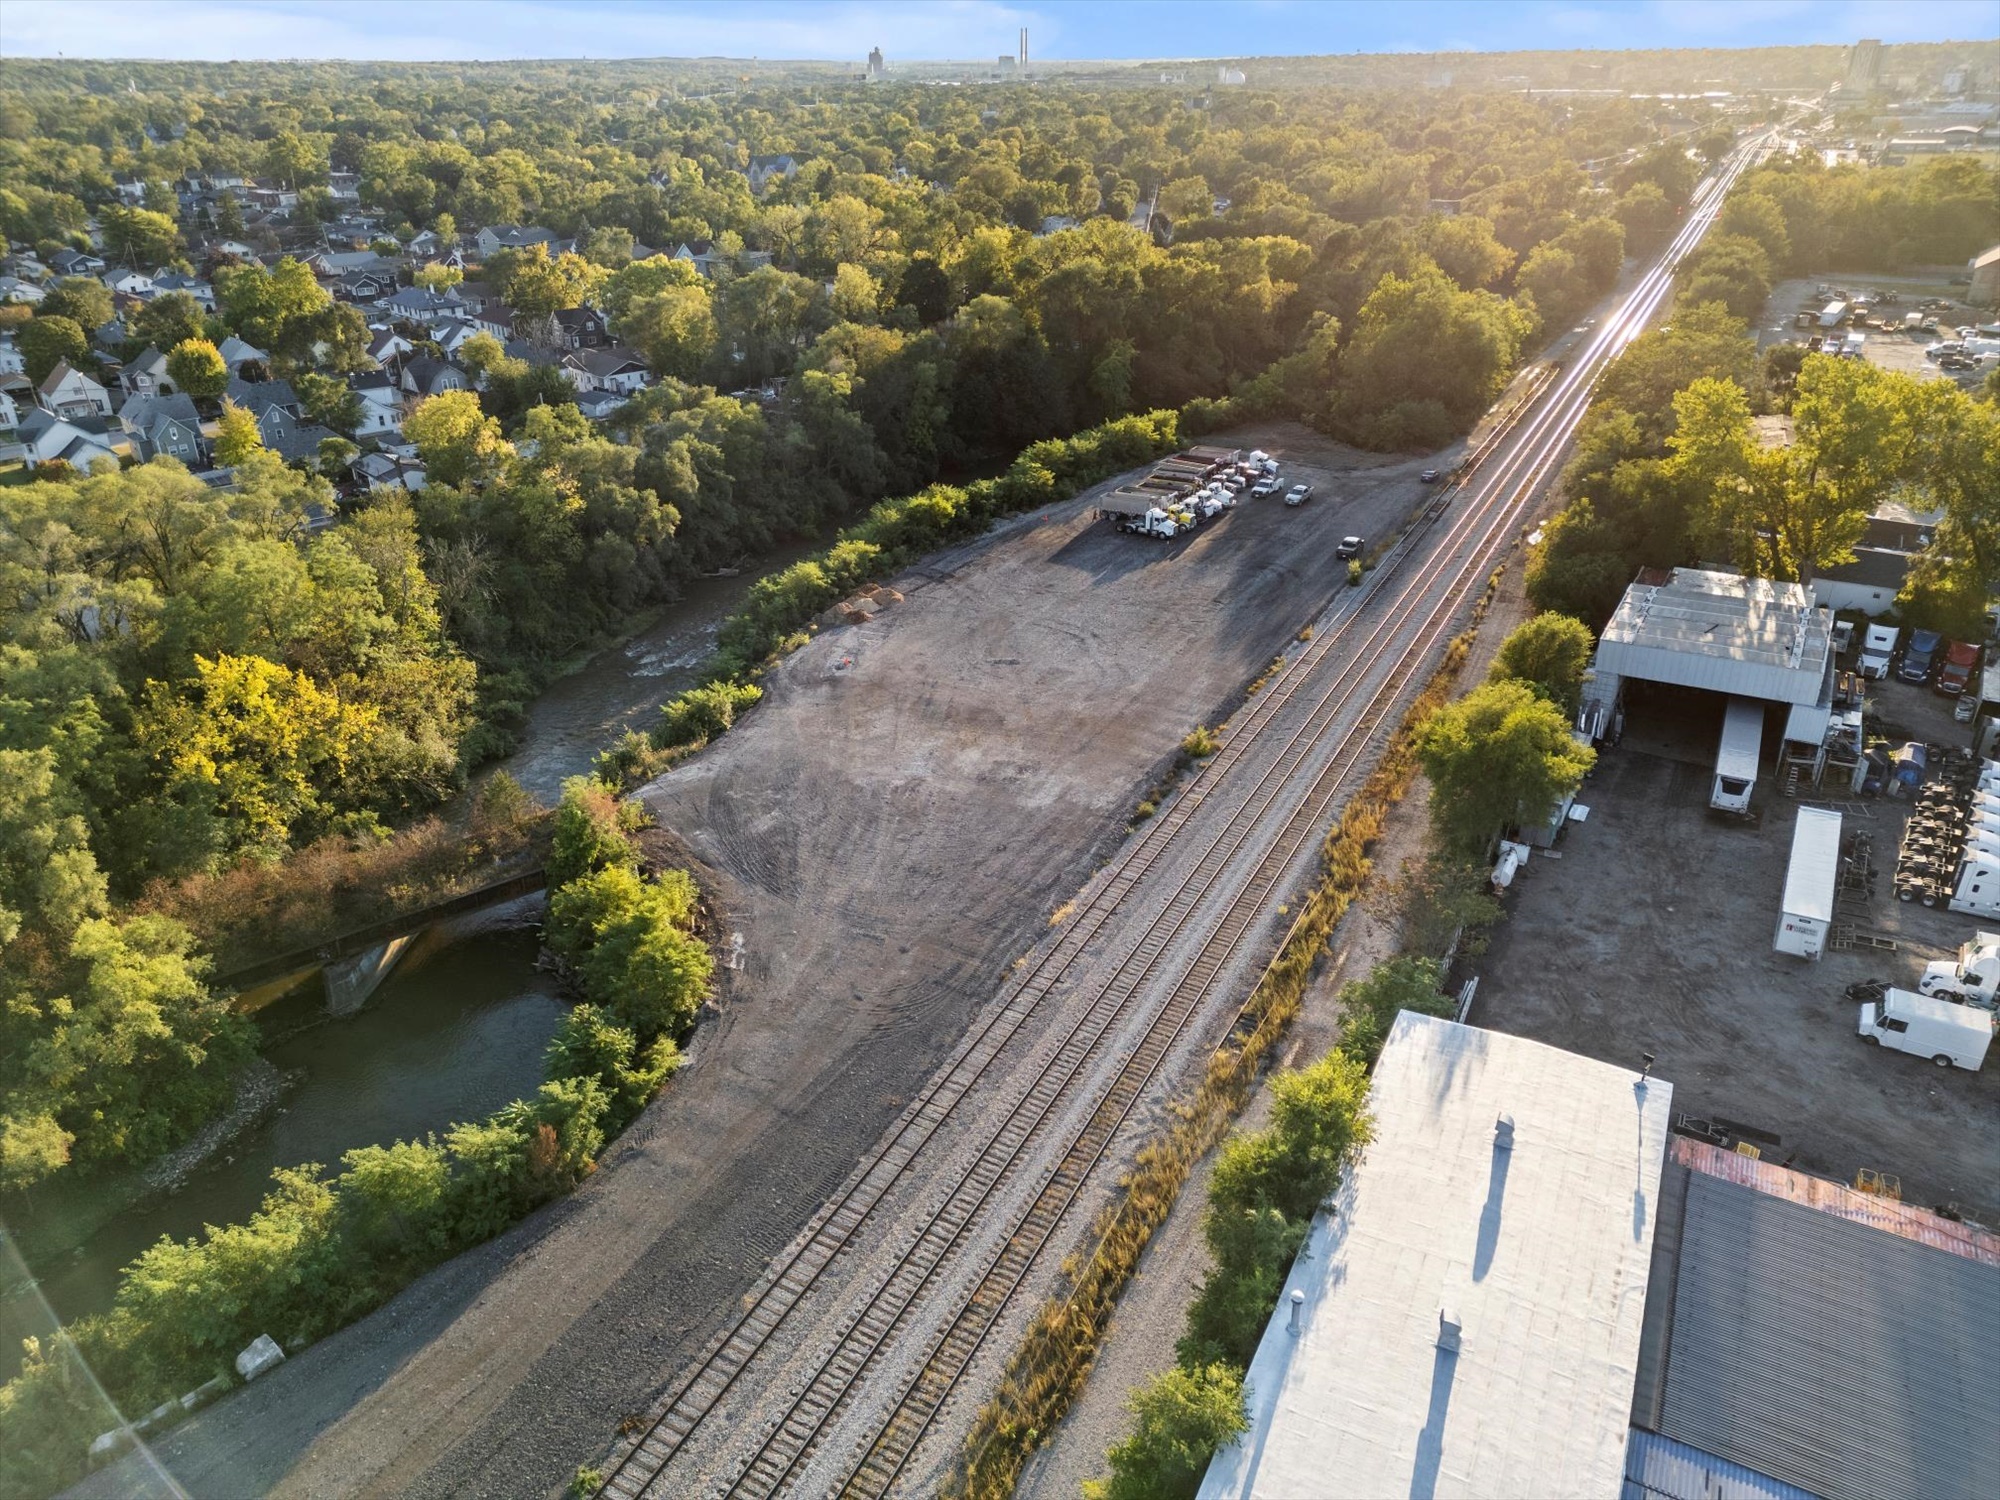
[
  {"x": 381, "y": 403},
  {"x": 605, "y": 370},
  {"x": 70, "y": 393},
  {"x": 12, "y": 362},
  {"x": 10, "y": 414},
  {"x": 131, "y": 283},
  {"x": 14, "y": 289},
  {"x": 78, "y": 443}
]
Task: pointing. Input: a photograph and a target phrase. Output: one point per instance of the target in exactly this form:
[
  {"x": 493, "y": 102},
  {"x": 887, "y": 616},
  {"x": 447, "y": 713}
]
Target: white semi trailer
[
  {"x": 1738, "y": 756},
  {"x": 1807, "y": 916}
]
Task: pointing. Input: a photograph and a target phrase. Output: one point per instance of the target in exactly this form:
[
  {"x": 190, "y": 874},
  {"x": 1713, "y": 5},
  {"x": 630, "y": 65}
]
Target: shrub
[
  {"x": 589, "y": 1044},
  {"x": 1550, "y": 654},
  {"x": 702, "y": 713},
  {"x": 631, "y": 941},
  {"x": 1201, "y": 743},
  {"x": 589, "y": 833},
  {"x": 1181, "y": 1417},
  {"x": 1368, "y": 1006}
]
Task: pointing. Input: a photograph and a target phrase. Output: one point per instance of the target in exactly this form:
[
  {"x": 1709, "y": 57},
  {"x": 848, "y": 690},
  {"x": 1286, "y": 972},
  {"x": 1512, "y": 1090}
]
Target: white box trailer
[
  {"x": 1809, "y": 884},
  {"x": 1949, "y": 1034},
  {"x": 1738, "y": 756}
]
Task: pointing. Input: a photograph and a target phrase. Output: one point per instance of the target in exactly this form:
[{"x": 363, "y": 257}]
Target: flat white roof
[
  {"x": 1754, "y": 637},
  {"x": 1541, "y": 1253},
  {"x": 1815, "y": 866}
]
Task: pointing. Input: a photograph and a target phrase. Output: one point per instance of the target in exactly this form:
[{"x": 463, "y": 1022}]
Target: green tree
[
  {"x": 138, "y": 236},
  {"x": 48, "y": 342},
  {"x": 329, "y": 402},
  {"x": 237, "y": 437},
  {"x": 1550, "y": 653},
  {"x": 1497, "y": 758},
  {"x": 674, "y": 328},
  {"x": 82, "y": 299},
  {"x": 169, "y": 320},
  {"x": 458, "y": 442},
  {"x": 589, "y": 833},
  {"x": 1180, "y": 1418},
  {"x": 438, "y": 278},
  {"x": 196, "y": 368}
]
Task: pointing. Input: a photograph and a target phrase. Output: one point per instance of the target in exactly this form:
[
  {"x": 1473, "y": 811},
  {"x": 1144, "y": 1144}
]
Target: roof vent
[
  {"x": 1448, "y": 1330},
  {"x": 1503, "y": 1133}
]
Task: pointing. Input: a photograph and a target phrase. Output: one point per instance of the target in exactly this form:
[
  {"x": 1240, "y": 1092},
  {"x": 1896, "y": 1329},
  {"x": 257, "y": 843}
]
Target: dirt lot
[
  {"x": 887, "y": 831},
  {"x": 1652, "y": 933},
  {"x": 1891, "y": 350}
]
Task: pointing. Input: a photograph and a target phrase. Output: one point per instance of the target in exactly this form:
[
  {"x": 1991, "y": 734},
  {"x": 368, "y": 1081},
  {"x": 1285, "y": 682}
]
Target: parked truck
[
  {"x": 1972, "y": 978},
  {"x": 1737, "y": 756},
  {"x": 1961, "y": 660},
  {"x": 1918, "y": 655},
  {"x": 1877, "y": 647},
  {"x": 1949, "y": 1034}
]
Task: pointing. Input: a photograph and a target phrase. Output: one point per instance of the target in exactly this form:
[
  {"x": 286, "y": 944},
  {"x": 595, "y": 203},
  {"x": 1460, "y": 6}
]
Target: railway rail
[{"x": 1306, "y": 738}]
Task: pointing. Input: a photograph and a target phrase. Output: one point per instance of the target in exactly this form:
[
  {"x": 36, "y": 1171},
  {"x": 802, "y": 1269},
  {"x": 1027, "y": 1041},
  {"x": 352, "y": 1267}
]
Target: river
[{"x": 457, "y": 1031}]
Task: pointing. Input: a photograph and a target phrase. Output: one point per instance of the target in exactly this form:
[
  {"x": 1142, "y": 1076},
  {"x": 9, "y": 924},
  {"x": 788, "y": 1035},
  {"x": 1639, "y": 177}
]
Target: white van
[{"x": 1949, "y": 1034}]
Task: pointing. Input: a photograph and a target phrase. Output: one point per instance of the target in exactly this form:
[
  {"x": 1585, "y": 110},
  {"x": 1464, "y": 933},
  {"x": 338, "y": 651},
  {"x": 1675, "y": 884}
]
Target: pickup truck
[
  {"x": 1919, "y": 655},
  {"x": 1270, "y": 484},
  {"x": 1961, "y": 660},
  {"x": 1299, "y": 494},
  {"x": 1350, "y": 546}
]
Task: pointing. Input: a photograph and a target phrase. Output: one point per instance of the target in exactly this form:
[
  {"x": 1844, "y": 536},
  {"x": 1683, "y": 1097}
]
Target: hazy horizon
[{"x": 949, "y": 30}]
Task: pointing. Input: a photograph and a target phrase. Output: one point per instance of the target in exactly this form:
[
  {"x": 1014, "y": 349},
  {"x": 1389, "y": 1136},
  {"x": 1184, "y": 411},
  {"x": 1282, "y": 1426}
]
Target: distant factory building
[
  {"x": 878, "y": 70},
  {"x": 1864, "y": 67}
]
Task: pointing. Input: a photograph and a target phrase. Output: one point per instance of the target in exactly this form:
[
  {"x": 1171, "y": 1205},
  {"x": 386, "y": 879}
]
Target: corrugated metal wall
[{"x": 1658, "y": 1468}]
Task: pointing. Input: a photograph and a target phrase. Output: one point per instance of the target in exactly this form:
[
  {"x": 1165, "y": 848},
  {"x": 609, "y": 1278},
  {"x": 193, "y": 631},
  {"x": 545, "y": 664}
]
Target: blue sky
[{"x": 846, "y": 29}]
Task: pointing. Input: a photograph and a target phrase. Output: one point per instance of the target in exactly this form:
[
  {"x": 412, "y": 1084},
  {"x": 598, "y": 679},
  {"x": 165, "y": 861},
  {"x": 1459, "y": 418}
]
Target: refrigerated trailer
[
  {"x": 1809, "y": 884},
  {"x": 1738, "y": 755}
]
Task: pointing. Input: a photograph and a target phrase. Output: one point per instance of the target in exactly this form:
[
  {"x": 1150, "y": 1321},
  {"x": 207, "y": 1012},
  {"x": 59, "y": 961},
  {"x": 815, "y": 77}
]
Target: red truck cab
[{"x": 1961, "y": 660}]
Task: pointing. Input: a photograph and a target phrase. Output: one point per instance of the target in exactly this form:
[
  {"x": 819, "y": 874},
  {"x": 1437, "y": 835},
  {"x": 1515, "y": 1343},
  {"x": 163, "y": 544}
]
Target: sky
[{"x": 455, "y": 30}]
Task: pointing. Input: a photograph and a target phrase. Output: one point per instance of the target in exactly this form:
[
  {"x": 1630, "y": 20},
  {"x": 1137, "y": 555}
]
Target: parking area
[
  {"x": 1649, "y": 930},
  {"x": 1890, "y": 349}
]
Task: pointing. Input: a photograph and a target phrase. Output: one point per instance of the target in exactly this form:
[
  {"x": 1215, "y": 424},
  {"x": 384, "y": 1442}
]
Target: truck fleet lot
[{"x": 1652, "y": 933}]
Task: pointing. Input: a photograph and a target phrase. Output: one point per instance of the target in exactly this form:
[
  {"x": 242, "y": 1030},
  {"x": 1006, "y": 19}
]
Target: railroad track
[{"x": 1433, "y": 571}]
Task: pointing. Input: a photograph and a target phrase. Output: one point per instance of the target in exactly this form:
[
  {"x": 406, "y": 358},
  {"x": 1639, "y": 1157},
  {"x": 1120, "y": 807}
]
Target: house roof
[
  {"x": 1538, "y": 1251},
  {"x": 143, "y": 413},
  {"x": 62, "y": 372},
  {"x": 513, "y": 236},
  {"x": 300, "y": 442},
  {"x": 607, "y": 361},
  {"x": 235, "y": 351},
  {"x": 148, "y": 359},
  {"x": 1873, "y": 568},
  {"x": 257, "y": 395},
  {"x": 578, "y": 317},
  {"x": 1848, "y": 1355},
  {"x": 431, "y": 375}
]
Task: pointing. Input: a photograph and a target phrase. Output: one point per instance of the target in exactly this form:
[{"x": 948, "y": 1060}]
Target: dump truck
[
  {"x": 1972, "y": 977},
  {"x": 1949, "y": 1034}
]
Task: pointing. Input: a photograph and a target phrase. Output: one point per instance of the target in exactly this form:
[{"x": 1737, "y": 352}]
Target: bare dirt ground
[
  {"x": 1652, "y": 933},
  {"x": 1152, "y": 1311},
  {"x": 887, "y": 831}
]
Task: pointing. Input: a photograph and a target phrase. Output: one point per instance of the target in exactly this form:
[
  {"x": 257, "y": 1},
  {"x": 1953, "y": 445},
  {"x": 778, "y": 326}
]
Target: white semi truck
[
  {"x": 1949, "y": 1034},
  {"x": 1972, "y": 977},
  {"x": 1737, "y": 756},
  {"x": 1877, "y": 647}
]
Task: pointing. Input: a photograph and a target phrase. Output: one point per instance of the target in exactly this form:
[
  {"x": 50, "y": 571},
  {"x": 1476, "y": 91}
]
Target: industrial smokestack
[{"x": 1023, "y": 64}]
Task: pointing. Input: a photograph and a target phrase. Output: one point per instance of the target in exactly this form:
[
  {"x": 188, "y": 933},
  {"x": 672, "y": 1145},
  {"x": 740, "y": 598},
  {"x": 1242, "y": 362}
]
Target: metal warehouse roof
[
  {"x": 1754, "y": 637},
  {"x": 1658, "y": 1468},
  {"x": 1855, "y": 1364},
  {"x": 1540, "y": 1253}
]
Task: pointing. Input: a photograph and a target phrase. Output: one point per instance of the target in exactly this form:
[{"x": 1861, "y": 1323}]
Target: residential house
[
  {"x": 236, "y": 353},
  {"x": 330, "y": 263},
  {"x": 496, "y": 237},
  {"x": 597, "y": 405},
  {"x": 432, "y": 377},
  {"x": 764, "y": 170},
  {"x": 274, "y": 198},
  {"x": 1890, "y": 543},
  {"x": 131, "y": 283},
  {"x": 451, "y": 334},
  {"x": 344, "y": 187},
  {"x": 581, "y": 328},
  {"x": 497, "y": 319},
  {"x": 165, "y": 281},
  {"x": 419, "y": 304},
  {"x": 372, "y": 469},
  {"x": 537, "y": 355},
  {"x": 16, "y": 289},
  {"x": 702, "y": 254},
  {"x": 295, "y": 442},
  {"x": 79, "y": 442},
  {"x": 10, "y": 413},
  {"x": 474, "y": 294},
  {"x": 75, "y": 263},
  {"x": 363, "y": 286},
  {"x": 273, "y": 403},
  {"x": 381, "y": 403},
  {"x": 146, "y": 374},
  {"x": 385, "y": 344},
  {"x": 426, "y": 246},
  {"x": 166, "y": 425},
  {"x": 605, "y": 370},
  {"x": 12, "y": 361},
  {"x": 129, "y": 191},
  {"x": 69, "y": 394}
]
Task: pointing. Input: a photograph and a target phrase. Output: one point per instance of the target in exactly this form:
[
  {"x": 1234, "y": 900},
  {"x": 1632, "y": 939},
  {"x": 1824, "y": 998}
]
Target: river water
[{"x": 457, "y": 1031}]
